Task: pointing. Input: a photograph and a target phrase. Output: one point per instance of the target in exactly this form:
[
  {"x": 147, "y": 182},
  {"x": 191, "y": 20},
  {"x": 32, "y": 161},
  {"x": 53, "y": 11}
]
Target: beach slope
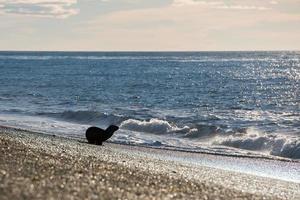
[{"x": 38, "y": 166}]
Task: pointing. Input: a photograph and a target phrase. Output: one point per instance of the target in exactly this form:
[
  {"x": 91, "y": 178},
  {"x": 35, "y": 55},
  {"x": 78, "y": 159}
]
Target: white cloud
[
  {"x": 274, "y": 2},
  {"x": 195, "y": 2},
  {"x": 40, "y": 8},
  {"x": 193, "y": 26},
  {"x": 241, "y": 7},
  {"x": 221, "y": 4}
]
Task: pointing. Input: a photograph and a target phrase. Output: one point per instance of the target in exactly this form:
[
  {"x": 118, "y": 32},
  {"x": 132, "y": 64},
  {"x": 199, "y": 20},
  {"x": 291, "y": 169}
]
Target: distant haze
[{"x": 144, "y": 25}]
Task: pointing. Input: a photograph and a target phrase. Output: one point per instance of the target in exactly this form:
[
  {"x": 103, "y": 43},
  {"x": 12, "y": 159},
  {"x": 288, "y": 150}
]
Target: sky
[{"x": 149, "y": 25}]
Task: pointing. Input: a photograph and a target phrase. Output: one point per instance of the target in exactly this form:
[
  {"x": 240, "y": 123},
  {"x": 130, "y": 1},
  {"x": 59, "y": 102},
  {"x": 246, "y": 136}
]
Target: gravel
[{"x": 38, "y": 166}]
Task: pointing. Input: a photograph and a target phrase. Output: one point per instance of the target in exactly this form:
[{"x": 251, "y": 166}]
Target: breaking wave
[
  {"x": 248, "y": 139},
  {"x": 158, "y": 126},
  {"x": 155, "y": 126},
  {"x": 252, "y": 139},
  {"x": 87, "y": 117}
]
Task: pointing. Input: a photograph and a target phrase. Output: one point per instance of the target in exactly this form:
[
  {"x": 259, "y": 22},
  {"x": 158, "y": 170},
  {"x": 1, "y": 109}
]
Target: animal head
[{"x": 112, "y": 128}]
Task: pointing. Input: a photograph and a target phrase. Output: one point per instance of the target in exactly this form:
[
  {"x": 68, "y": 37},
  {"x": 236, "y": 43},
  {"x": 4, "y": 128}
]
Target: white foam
[
  {"x": 44, "y": 125},
  {"x": 253, "y": 139},
  {"x": 155, "y": 126},
  {"x": 137, "y": 132}
]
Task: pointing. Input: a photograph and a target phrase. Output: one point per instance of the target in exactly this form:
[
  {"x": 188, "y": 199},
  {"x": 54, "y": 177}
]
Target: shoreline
[{"x": 35, "y": 165}]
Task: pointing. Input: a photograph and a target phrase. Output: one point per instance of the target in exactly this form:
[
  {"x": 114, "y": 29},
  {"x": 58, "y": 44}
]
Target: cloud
[
  {"x": 273, "y": 2},
  {"x": 195, "y": 2},
  {"x": 221, "y": 4},
  {"x": 242, "y": 7},
  {"x": 193, "y": 26},
  {"x": 39, "y": 8}
]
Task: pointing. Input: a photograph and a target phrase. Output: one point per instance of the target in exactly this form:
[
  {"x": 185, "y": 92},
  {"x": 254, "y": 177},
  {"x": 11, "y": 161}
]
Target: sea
[{"x": 225, "y": 103}]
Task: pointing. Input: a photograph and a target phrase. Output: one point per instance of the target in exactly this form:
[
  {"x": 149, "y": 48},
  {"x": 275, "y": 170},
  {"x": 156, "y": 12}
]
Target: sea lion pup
[{"x": 96, "y": 135}]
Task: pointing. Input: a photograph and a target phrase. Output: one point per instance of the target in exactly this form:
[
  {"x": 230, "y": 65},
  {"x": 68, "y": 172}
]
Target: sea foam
[
  {"x": 247, "y": 139},
  {"x": 155, "y": 126},
  {"x": 255, "y": 140}
]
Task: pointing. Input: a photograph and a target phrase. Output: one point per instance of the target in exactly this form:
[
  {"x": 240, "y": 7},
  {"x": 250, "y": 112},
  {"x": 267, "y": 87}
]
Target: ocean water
[{"x": 231, "y": 103}]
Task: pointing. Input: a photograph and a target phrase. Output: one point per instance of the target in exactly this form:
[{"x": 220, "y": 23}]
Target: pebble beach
[{"x": 39, "y": 166}]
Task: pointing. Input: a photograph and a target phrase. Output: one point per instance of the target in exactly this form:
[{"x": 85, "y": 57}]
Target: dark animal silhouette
[{"x": 96, "y": 135}]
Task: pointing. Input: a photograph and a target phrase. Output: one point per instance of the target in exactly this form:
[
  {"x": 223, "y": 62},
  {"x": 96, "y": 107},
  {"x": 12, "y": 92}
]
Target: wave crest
[
  {"x": 252, "y": 139},
  {"x": 87, "y": 117},
  {"x": 155, "y": 126}
]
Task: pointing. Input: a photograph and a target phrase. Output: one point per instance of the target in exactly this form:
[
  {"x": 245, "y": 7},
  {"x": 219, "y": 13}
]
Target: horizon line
[{"x": 146, "y": 51}]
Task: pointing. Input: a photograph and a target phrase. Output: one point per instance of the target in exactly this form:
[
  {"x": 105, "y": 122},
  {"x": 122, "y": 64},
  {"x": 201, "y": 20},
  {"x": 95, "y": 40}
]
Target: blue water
[{"x": 220, "y": 102}]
